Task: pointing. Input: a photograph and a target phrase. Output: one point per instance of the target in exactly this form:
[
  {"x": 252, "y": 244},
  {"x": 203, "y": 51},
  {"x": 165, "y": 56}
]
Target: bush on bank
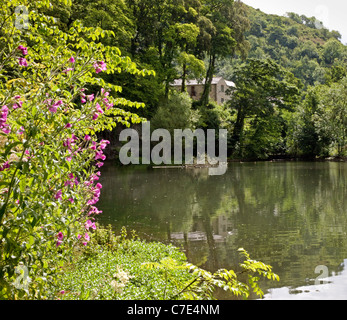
[{"x": 53, "y": 101}]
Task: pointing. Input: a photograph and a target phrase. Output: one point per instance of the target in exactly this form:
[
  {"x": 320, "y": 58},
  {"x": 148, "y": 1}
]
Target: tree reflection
[{"x": 291, "y": 215}]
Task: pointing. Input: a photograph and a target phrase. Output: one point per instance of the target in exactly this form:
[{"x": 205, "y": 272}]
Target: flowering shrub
[{"x": 49, "y": 153}]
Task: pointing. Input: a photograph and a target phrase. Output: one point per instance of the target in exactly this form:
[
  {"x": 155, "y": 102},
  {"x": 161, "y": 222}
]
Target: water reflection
[
  {"x": 291, "y": 215},
  {"x": 331, "y": 288}
]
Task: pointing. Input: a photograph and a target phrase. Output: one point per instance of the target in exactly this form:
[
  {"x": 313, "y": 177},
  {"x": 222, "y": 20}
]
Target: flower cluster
[
  {"x": 90, "y": 224},
  {"x": 53, "y": 107},
  {"x": 72, "y": 180},
  {"x": 22, "y": 61},
  {"x": 100, "y": 66},
  {"x": 23, "y": 49},
  {"x": 3, "y": 118},
  {"x": 4, "y": 166},
  {"x": 121, "y": 278},
  {"x": 105, "y": 94},
  {"x": 18, "y": 104},
  {"x": 60, "y": 237},
  {"x": 86, "y": 238}
]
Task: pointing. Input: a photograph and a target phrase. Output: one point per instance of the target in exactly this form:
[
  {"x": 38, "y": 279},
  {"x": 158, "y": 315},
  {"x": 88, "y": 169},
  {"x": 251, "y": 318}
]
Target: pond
[{"x": 291, "y": 215}]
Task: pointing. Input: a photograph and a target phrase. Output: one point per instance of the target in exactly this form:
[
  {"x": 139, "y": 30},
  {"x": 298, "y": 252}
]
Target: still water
[{"x": 291, "y": 215}]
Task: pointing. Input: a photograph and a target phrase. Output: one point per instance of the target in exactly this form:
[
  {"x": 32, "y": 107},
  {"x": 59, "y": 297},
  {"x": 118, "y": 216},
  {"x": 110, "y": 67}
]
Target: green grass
[
  {"x": 115, "y": 267},
  {"x": 91, "y": 275}
]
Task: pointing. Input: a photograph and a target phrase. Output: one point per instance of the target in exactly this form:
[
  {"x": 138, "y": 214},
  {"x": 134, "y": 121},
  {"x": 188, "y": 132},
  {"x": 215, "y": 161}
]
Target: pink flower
[
  {"x": 60, "y": 236},
  {"x": 62, "y": 292},
  {"x": 17, "y": 105},
  {"x": 86, "y": 236},
  {"x": 98, "y": 186},
  {"x": 72, "y": 60},
  {"x": 23, "y": 49},
  {"x": 21, "y": 130},
  {"x": 6, "y": 129},
  {"x": 68, "y": 125},
  {"x": 59, "y": 242},
  {"x": 100, "y": 155},
  {"x": 109, "y": 105},
  {"x": 71, "y": 200},
  {"x": 23, "y": 62},
  {"x": 100, "y": 66},
  {"x": 90, "y": 224},
  {"x": 67, "y": 70},
  {"x": 99, "y": 109},
  {"x": 99, "y": 164},
  {"x": 95, "y": 116},
  {"x": 87, "y": 138},
  {"x": 5, "y": 166},
  {"x": 90, "y": 97},
  {"x": 94, "y": 210},
  {"x": 104, "y": 143},
  {"x": 3, "y": 115},
  {"x": 104, "y": 92},
  {"x": 93, "y": 146},
  {"x": 54, "y": 108},
  {"x": 58, "y": 195}
]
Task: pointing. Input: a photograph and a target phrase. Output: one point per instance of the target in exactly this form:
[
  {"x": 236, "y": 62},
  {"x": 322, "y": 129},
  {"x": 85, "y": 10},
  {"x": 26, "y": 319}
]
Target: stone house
[{"x": 195, "y": 89}]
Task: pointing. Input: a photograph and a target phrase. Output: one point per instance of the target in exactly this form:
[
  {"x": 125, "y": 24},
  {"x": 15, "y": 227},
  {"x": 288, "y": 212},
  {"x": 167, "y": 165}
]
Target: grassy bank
[
  {"x": 114, "y": 268},
  {"x": 126, "y": 268}
]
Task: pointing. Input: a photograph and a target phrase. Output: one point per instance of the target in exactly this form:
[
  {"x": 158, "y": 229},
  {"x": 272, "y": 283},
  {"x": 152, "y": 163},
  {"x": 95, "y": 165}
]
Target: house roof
[{"x": 195, "y": 82}]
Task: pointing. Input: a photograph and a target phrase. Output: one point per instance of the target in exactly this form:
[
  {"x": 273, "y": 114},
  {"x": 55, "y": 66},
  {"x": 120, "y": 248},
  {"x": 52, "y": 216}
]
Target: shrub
[{"x": 49, "y": 154}]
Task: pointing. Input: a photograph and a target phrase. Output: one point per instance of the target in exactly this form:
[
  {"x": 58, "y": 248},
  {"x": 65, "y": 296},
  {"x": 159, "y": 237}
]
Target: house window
[
  {"x": 222, "y": 100},
  {"x": 222, "y": 88},
  {"x": 193, "y": 94}
]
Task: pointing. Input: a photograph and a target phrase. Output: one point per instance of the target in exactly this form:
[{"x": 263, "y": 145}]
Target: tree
[
  {"x": 333, "y": 116},
  {"x": 176, "y": 114},
  {"x": 166, "y": 28},
  {"x": 332, "y": 50},
  {"x": 305, "y": 140},
  {"x": 230, "y": 22},
  {"x": 262, "y": 87}
]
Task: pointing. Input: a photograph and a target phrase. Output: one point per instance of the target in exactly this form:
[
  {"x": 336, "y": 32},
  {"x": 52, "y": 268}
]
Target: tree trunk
[
  {"x": 205, "y": 98},
  {"x": 238, "y": 130},
  {"x": 183, "y": 88}
]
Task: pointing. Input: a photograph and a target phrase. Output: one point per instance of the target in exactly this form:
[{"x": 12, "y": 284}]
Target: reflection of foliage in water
[{"x": 289, "y": 215}]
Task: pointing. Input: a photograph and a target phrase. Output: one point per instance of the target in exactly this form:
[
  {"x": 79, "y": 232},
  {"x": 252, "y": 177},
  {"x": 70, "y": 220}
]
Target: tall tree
[
  {"x": 229, "y": 19},
  {"x": 262, "y": 86}
]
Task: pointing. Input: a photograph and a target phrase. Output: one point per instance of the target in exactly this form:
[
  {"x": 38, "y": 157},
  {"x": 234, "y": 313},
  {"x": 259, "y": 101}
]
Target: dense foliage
[
  {"x": 59, "y": 88},
  {"x": 52, "y": 105},
  {"x": 186, "y": 39},
  {"x": 316, "y": 57}
]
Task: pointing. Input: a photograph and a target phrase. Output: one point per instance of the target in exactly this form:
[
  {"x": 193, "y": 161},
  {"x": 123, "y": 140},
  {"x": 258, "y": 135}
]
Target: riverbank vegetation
[
  {"x": 127, "y": 268},
  {"x": 58, "y": 89}
]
